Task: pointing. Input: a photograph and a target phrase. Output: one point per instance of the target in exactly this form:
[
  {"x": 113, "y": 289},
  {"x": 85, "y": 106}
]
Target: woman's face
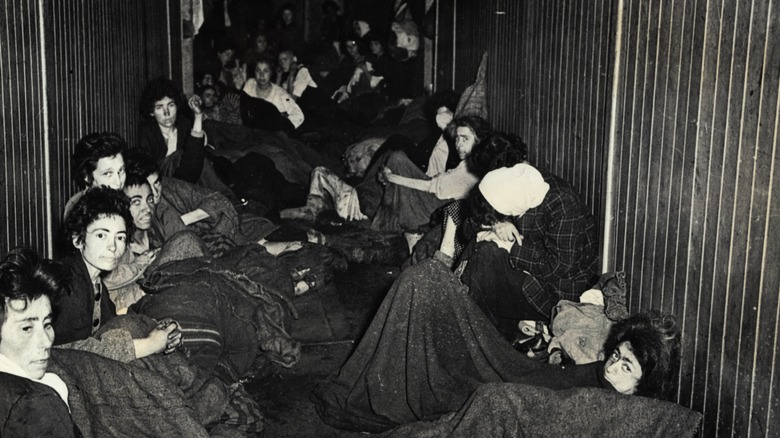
[
  {"x": 104, "y": 243},
  {"x": 110, "y": 172},
  {"x": 165, "y": 112},
  {"x": 225, "y": 56},
  {"x": 622, "y": 370},
  {"x": 141, "y": 205},
  {"x": 286, "y": 61},
  {"x": 263, "y": 74},
  {"x": 27, "y": 335},
  {"x": 155, "y": 183},
  {"x": 352, "y": 49},
  {"x": 287, "y": 17},
  {"x": 261, "y": 44},
  {"x": 464, "y": 141},
  {"x": 376, "y": 48}
]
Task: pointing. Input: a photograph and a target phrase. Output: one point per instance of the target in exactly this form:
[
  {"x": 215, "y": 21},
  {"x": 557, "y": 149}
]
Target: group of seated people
[
  {"x": 352, "y": 72},
  {"x": 165, "y": 278}
]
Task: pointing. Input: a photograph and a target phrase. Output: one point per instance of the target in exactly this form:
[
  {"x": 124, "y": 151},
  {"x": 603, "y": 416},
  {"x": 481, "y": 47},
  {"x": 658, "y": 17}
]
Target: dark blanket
[
  {"x": 516, "y": 410},
  {"x": 292, "y": 158},
  {"x": 231, "y": 309},
  {"x": 427, "y": 350},
  {"x": 113, "y": 399}
]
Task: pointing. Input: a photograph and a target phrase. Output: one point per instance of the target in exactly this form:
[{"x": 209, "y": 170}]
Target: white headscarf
[{"x": 514, "y": 190}]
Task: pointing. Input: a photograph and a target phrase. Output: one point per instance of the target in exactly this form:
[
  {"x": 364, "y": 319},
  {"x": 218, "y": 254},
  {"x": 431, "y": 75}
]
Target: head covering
[{"x": 514, "y": 190}]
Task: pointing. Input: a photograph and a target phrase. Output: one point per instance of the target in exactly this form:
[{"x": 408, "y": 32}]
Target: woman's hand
[
  {"x": 491, "y": 236},
  {"x": 384, "y": 175},
  {"x": 166, "y": 337},
  {"x": 147, "y": 256},
  {"x": 195, "y": 105},
  {"x": 173, "y": 334},
  {"x": 507, "y": 231}
]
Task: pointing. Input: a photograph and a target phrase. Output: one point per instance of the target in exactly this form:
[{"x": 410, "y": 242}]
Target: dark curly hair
[
  {"x": 264, "y": 60},
  {"x": 25, "y": 276},
  {"x": 479, "y": 126},
  {"x": 156, "y": 90},
  {"x": 97, "y": 203},
  {"x": 500, "y": 150},
  {"x": 139, "y": 165},
  {"x": 655, "y": 341},
  {"x": 481, "y": 212},
  {"x": 89, "y": 150}
]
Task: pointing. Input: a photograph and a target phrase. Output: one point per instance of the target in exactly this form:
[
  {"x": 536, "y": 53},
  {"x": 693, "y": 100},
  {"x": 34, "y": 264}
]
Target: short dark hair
[
  {"x": 25, "y": 276},
  {"x": 442, "y": 98},
  {"x": 264, "y": 60},
  {"x": 155, "y": 91},
  {"x": 655, "y": 341},
  {"x": 96, "y": 203},
  {"x": 480, "y": 212},
  {"x": 89, "y": 150},
  {"x": 139, "y": 165},
  {"x": 500, "y": 150},
  {"x": 479, "y": 126}
]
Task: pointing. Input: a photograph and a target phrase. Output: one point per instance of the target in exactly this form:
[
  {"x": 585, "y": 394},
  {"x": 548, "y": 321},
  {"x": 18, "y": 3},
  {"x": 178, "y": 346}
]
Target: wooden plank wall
[
  {"x": 697, "y": 196},
  {"x": 22, "y": 154},
  {"x": 98, "y": 56},
  {"x": 696, "y": 185},
  {"x": 547, "y": 78}
]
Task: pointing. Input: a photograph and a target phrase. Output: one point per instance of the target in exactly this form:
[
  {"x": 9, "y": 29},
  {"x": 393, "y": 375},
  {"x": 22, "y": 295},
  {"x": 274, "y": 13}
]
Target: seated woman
[
  {"x": 261, "y": 86},
  {"x": 97, "y": 161},
  {"x": 40, "y": 385},
  {"x": 411, "y": 195},
  {"x": 33, "y": 402},
  {"x": 98, "y": 227},
  {"x": 292, "y": 76},
  {"x": 177, "y": 144}
]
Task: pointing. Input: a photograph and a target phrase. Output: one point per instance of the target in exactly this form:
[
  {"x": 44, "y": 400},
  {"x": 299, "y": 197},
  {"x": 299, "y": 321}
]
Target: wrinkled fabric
[
  {"x": 229, "y": 308},
  {"x": 580, "y": 330},
  {"x": 113, "y": 399},
  {"x": 427, "y": 349},
  {"x": 517, "y": 410}
]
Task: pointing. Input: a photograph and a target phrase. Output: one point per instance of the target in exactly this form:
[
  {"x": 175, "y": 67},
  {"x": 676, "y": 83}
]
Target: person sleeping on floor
[{"x": 431, "y": 344}]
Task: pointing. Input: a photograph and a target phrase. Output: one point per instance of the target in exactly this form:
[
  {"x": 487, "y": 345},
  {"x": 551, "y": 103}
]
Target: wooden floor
[{"x": 329, "y": 325}]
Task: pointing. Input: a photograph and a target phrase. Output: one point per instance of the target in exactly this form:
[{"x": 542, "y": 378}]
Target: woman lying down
[{"x": 430, "y": 347}]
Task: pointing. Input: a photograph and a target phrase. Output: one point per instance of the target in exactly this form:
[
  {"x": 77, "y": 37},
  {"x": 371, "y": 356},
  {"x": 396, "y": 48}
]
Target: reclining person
[
  {"x": 34, "y": 402},
  {"x": 433, "y": 156},
  {"x": 180, "y": 206}
]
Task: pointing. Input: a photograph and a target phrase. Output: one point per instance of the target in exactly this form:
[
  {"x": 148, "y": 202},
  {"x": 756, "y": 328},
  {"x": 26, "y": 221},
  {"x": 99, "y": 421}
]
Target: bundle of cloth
[{"x": 234, "y": 310}]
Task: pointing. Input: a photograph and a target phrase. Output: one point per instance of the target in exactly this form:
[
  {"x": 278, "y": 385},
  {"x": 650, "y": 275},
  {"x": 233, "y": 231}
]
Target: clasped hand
[{"x": 503, "y": 234}]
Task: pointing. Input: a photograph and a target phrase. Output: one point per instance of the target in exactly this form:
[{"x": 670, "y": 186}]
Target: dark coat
[{"x": 31, "y": 409}]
